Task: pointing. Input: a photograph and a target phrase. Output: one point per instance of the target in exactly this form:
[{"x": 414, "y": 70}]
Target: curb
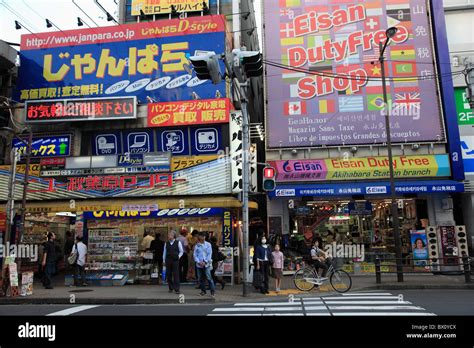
[
  {"x": 95, "y": 301},
  {"x": 419, "y": 287}
]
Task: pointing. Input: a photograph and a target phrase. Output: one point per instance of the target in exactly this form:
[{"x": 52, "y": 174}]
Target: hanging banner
[
  {"x": 324, "y": 80},
  {"x": 146, "y": 60},
  {"x": 227, "y": 229}
]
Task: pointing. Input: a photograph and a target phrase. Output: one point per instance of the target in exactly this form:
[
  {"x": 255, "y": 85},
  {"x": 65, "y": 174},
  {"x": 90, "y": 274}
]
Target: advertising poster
[
  {"x": 26, "y": 284},
  {"x": 324, "y": 81},
  {"x": 419, "y": 247},
  {"x": 226, "y": 268},
  {"x": 449, "y": 245},
  {"x": 146, "y": 60}
]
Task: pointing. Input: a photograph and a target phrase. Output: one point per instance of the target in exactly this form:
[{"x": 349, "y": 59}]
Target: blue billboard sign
[
  {"x": 138, "y": 141},
  {"x": 206, "y": 140},
  {"x": 46, "y": 146},
  {"x": 147, "y": 60},
  {"x": 174, "y": 140},
  {"x": 109, "y": 143}
]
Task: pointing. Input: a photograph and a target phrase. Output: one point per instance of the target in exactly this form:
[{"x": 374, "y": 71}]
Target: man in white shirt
[
  {"x": 146, "y": 242},
  {"x": 81, "y": 250}
]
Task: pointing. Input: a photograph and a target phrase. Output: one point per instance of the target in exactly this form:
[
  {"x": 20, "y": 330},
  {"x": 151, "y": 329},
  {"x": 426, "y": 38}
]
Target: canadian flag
[{"x": 295, "y": 108}]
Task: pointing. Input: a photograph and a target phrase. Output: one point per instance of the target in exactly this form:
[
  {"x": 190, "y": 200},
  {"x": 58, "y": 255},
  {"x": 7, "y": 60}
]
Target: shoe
[
  {"x": 267, "y": 292},
  {"x": 85, "y": 284},
  {"x": 213, "y": 294},
  {"x": 197, "y": 287},
  {"x": 170, "y": 291},
  {"x": 222, "y": 286},
  {"x": 177, "y": 292},
  {"x": 202, "y": 293},
  {"x": 48, "y": 287}
]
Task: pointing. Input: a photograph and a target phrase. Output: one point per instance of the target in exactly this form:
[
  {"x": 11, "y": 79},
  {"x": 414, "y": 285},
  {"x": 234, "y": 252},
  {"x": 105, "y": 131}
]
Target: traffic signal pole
[{"x": 245, "y": 187}]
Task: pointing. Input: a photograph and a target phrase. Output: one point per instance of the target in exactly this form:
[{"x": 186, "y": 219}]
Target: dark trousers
[
  {"x": 324, "y": 265},
  {"x": 172, "y": 275},
  {"x": 265, "y": 269},
  {"x": 183, "y": 267},
  {"x": 49, "y": 271},
  {"x": 80, "y": 271}
]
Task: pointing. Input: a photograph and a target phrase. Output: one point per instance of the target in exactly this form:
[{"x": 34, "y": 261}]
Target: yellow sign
[
  {"x": 378, "y": 167},
  {"x": 184, "y": 162},
  {"x": 150, "y": 7},
  {"x": 20, "y": 169}
]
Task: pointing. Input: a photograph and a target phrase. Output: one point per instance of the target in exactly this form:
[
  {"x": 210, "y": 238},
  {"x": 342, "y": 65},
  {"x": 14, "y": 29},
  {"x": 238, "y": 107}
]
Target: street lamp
[{"x": 390, "y": 33}]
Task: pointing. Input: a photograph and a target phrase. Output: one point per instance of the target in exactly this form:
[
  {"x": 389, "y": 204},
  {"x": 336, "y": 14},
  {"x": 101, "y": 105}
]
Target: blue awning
[{"x": 366, "y": 188}]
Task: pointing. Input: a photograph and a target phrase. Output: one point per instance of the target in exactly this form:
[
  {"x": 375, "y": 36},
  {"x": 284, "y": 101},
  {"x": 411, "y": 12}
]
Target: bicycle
[{"x": 306, "y": 278}]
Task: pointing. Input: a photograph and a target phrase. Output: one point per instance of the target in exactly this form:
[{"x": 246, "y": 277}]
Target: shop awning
[
  {"x": 366, "y": 188},
  {"x": 117, "y": 204}
]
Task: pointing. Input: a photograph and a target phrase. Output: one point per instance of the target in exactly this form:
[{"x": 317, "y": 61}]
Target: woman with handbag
[
  {"x": 264, "y": 260},
  {"x": 78, "y": 258}
]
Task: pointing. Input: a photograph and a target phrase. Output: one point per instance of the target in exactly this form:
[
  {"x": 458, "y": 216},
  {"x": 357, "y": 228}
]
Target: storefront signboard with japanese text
[
  {"x": 151, "y": 7},
  {"x": 361, "y": 168},
  {"x": 144, "y": 59},
  {"x": 46, "y": 146},
  {"x": 324, "y": 80},
  {"x": 157, "y": 213},
  {"x": 189, "y": 113},
  {"x": 465, "y": 113},
  {"x": 92, "y": 109}
]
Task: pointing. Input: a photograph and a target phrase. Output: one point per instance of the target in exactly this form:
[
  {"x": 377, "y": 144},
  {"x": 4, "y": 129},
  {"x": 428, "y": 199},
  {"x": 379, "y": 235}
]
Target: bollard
[
  {"x": 467, "y": 270},
  {"x": 378, "y": 274}
]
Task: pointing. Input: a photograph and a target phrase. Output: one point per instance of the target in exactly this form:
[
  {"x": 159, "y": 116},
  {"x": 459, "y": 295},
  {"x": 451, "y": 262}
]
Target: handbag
[
  {"x": 257, "y": 278},
  {"x": 72, "y": 259}
]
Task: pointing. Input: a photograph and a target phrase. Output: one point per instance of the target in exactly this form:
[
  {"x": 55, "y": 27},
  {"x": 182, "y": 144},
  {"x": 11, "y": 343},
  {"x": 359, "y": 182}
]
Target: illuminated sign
[
  {"x": 46, "y": 146},
  {"x": 185, "y": 113},
  {"x": 150, "y": 7},
  {"x": 227, "y": 230},
  {"x": 91, "y": 109}
]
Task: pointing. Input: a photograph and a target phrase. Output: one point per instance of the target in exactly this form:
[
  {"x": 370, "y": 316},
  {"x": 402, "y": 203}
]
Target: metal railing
[{"x": 433, "y": 265}]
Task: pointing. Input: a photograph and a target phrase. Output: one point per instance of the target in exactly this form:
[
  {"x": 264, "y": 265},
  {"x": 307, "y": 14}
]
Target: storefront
[{"x": 354, "y": 217}]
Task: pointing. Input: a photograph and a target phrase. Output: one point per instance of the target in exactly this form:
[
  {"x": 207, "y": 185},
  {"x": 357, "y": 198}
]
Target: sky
[{"x": 63, "y": 13}]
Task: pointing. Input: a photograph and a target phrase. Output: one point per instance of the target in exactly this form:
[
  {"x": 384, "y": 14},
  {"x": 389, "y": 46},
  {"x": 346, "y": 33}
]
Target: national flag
[
  {"x": 374, "y": 70},
  {"x": 373, "y": 8},
  {"x": 292, "y": 77},
  {"x": 290, "y": 3},
  {"x": 351, "y": 104},
  {"x": 294, "y": 91},
  {"x": 374, "y": 56},
  {"x": 375, "y": 102},
  {"x": 372, "y": 23},
  {"x": 317, "y": 41},
  {"x": 403, "y": 69},
  {"x": 295, "y": 108},
  {"x": 296, "y": 41},
  {"x": 345, "y": 71},
  {"x": 402, "y": 53},
  {"x": 400, "y": 13},
  {"x": 287, "y": 30},
  {"x": 407, "y": 102},
  {"x": 327, "y": 106}
]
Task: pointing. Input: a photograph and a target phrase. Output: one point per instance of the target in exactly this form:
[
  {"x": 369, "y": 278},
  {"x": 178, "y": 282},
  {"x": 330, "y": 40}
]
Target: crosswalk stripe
[
  {"x": 378, "y": 308},
  {"x": 267, "y": 304},
  {"x": 239, "y": 309},
  {"x": 363, "y": 298},
  {"x": 235, "y": 315},
  {"x": 382, "y": 314},
  {"x": 284, "y": 314},
  {"x": 367, "y": 294},
  {"x": 367, "y": 302},
  {"x": 314, "y": 314},
  {"x": 312, "y": 308},
  {"x": 72, "y": 310},
  {"x": 283, "y": 309}
]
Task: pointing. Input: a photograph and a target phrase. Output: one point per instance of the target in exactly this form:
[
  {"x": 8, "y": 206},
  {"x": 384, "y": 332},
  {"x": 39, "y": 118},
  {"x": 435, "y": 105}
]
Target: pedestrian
[
  {"x": 217, "y": 257},
  {"x": 146, "y": 241},
  {"x": 157, "y": 247},
  {"x": 192, "y": 240},
  {"x": 277, "y": 257},
  {"x": 264, "y": 259},
  {"x": 203, "y": 259},
  {"x": 172, "y": 253},
  {"x": 81, "y": 250},
  {"x": 68, "y": 245},
  {"x": 49, "y": 261},
  {"x": 183, "y": 261}
]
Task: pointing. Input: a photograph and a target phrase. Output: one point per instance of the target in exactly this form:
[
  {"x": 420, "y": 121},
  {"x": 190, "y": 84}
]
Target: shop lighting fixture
[{"x": 415, "y": 147}]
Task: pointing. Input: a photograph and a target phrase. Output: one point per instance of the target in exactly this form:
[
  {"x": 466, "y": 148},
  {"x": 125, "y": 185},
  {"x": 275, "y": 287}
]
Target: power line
[{"x": 16, "y": 14}]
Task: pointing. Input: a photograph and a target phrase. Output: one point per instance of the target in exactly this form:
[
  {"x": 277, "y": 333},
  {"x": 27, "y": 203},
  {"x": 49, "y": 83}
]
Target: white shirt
[
  {"x": 146, "y": 242},
  {"x": 81, "y": 253}
]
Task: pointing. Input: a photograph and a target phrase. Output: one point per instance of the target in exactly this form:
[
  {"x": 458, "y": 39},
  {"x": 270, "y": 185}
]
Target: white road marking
[
  {"x": 376, "y": 308},
  {"x": 368, "y": 302},
  {"x": 315, "y": 308},
  {"x": 72, "y": 310},
  {"x": 382, "y": 314},
  {"x": 239, "y": 309},
  {"x": 362, "y": 298},
  {"x": 368, "y": 293},
  {"x": 283, "y": 309},
  {"x": 259, "y": 304}
]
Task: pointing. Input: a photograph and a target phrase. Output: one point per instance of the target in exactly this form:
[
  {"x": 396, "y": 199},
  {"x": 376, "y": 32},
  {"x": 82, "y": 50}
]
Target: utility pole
[
  {"x": 245, "y": 64},
  {"x": 395, "y": 221}
]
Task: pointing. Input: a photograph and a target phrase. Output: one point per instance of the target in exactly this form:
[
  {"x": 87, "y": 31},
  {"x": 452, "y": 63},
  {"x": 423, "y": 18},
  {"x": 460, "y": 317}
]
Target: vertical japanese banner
[
  {"x": 227, "y": 230},
  {"x": 147, "y": 60},
  {"x": 324, "y": 80}
]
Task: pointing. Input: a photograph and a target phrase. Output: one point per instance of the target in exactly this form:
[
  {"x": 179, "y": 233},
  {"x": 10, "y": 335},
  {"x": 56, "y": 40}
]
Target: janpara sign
[{"x": 362, "y": 168}]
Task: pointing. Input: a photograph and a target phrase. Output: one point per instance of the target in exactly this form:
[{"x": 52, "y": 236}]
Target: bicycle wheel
[
  {"x": 341, "y": 281},
  {"x": 301, "y": 278}
]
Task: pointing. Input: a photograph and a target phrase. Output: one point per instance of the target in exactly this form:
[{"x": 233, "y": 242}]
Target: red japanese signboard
[
  {"x": 185, "y": 113},
  {"x": 81, "y": 109},
  {"x": 110, "y": 182}
]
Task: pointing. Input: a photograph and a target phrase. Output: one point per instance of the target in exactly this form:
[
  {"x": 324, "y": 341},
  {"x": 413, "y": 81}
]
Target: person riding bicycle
[{"x": 320, "y": 259}]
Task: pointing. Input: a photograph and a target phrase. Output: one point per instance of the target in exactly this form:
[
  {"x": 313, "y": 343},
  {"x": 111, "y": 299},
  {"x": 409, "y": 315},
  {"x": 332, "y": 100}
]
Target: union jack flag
[{"x": 408, "y": 101}]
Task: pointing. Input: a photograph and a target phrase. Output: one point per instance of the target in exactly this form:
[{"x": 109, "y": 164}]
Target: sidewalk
[{"x": 158, "y": 294}]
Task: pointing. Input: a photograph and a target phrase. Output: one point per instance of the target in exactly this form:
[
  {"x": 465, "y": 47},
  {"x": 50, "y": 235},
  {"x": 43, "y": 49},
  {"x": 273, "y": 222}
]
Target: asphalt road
[{"x": 383, "y": 303}]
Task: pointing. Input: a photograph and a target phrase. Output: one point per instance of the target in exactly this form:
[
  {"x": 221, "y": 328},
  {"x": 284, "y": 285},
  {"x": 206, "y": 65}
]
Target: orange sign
[{"x": 189, "y": 113}]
